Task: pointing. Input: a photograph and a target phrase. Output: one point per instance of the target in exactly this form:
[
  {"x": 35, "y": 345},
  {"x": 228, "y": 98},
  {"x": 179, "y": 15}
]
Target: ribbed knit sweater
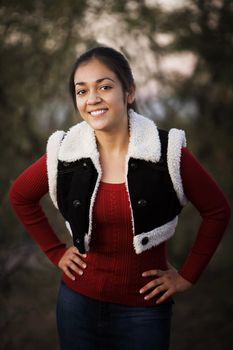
[{"x": 114, "y": 270}]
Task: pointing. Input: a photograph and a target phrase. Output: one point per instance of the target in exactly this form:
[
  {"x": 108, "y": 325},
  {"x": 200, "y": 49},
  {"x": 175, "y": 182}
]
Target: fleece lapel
[
  {"x": 144, "y": 143},
  {"x": 144, "y": 140}
]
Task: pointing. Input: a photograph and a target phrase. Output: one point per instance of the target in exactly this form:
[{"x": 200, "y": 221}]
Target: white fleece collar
[{"x": 144, "y": 142}]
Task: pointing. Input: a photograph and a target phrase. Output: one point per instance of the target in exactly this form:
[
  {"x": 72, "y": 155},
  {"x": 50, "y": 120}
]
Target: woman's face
[{"x": 100, "y": 99}]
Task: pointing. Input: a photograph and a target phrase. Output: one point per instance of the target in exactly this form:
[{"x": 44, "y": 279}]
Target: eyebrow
[{"x": 97, "y": 81}]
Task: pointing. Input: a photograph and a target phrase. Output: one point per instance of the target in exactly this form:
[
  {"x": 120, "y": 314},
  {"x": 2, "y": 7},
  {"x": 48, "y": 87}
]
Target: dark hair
[{"x": 114, "y": 60}]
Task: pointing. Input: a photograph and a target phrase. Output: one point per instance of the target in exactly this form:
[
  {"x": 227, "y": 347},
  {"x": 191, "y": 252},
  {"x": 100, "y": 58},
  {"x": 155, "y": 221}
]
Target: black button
[
  {"x": 76, "y": 203},
  {"x": 145, "y": 240},
  {"x": 77, "y": 240},
  {"x": 66, "y": 164},
  {"x": 85, "y": 165},
  {"x": 142, "y": 202},
  {"x": 133, "y": 165}
]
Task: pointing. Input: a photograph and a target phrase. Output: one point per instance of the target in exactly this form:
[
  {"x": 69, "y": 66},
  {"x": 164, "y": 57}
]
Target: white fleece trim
[
  {"x": 176, "y": 140},
  {"x": 88, "y": 235},
  {"x": 69, "y": 228},
  {"x": 155, "y": 236},
  {"x": 53, "y": 146},
  {"x": 80, "y": 142},
  {"x": 144, "y": 142},
  {"x": 127, "y": 190},
  {"x": 87, "y": 242}
]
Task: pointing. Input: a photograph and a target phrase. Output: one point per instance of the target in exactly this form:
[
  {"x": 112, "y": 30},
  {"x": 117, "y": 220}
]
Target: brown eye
[
  {"x": 80, "y": 92},
  {"x": 105, "y": 87}
]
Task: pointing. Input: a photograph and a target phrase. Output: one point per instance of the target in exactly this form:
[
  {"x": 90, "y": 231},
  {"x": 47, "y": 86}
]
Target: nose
[{"x": 93, "y": 98}]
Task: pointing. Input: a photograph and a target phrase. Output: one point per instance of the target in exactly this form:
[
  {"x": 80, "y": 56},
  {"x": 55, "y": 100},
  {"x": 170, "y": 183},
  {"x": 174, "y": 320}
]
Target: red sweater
[{"x": 114, "y": 270}]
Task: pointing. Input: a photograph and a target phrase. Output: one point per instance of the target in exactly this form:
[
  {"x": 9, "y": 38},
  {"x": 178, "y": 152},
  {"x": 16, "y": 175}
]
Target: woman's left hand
[{"x": 168, "y": 281}]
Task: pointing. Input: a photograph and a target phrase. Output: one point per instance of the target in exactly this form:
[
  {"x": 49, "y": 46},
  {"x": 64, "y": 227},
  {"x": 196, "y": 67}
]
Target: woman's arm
[
  {"x": 203, "y": 192},
  {"x": 209, "y": 200},
  {"x": 25, "y": 195}
]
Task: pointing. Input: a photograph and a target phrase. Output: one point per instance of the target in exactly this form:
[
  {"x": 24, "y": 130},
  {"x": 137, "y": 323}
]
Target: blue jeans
[{"x": 88, "y": 324}]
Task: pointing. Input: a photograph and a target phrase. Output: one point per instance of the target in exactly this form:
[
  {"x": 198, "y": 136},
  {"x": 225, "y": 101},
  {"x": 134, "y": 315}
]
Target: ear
[{"x": 131, "y": 94}]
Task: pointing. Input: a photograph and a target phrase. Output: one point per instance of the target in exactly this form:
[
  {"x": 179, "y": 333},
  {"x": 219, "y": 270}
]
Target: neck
[{"x": 113, "y": 143}]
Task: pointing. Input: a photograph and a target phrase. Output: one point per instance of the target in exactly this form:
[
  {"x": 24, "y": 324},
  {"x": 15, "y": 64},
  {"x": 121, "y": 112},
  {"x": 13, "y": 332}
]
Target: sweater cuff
[{"x": 191, "y": 274}]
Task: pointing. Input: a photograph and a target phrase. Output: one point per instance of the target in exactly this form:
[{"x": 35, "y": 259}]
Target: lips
[{"x": 98, "y": 112}]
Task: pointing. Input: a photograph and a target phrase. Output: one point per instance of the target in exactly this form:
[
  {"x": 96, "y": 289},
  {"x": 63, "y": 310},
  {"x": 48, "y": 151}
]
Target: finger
[
  {"x": 150, "y": 285},
  {"x": 74, "y": 268},
  {"x": 78, "y": 261},
  {"x": 71, "y": 254},
  {"x": 165, "y": 296},
  {"x": 68, "y": 273},
  {"x": 155, "y": 291},
  {"x": 75, "y": 250},
  {"x": 152, "y": 273},
  {"x": 82, "y": 255}
]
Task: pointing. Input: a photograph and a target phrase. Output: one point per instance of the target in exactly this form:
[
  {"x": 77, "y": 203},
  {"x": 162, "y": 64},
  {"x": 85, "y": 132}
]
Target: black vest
[{"x": 154, "y": 202}]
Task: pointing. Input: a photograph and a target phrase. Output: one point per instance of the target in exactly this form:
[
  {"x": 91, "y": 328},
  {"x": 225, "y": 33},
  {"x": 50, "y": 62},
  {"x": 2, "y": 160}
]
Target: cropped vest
[{"x": 152, "y": 180}]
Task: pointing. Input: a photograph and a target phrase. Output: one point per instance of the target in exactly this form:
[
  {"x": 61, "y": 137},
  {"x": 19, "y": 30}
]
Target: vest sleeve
[
  {"x": 25, "y": 195},
  {"x": 206, "y": 196}
]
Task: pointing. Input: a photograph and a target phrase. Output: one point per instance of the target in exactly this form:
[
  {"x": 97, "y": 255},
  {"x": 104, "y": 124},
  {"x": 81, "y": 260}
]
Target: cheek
[
  {"x": 80, "y": 111},
  {"x": 119, "y": 99},
  {"x": 79, "y": 104}
]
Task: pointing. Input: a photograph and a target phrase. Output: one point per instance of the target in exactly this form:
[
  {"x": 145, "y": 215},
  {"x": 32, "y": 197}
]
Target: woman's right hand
[{"x": 71, "y": 262}]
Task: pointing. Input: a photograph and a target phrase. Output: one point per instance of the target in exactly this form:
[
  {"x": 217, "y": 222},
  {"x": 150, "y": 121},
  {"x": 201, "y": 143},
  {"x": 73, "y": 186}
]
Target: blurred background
[{"x": 181, "y": 53}]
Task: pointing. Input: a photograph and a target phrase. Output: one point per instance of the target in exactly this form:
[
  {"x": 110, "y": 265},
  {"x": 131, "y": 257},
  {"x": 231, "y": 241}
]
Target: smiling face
[{"x": 100, "y": 98}]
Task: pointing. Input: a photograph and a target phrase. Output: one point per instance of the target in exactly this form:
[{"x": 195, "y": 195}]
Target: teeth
[{"x": 100, "y": 111}]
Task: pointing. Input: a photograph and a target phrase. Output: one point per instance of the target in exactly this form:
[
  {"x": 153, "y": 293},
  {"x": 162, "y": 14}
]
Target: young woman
[{"x": 120, "y": 184}]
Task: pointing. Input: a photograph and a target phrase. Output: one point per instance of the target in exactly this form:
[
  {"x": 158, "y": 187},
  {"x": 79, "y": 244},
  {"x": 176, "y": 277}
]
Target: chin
[{"x": 97, "y": 127}]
